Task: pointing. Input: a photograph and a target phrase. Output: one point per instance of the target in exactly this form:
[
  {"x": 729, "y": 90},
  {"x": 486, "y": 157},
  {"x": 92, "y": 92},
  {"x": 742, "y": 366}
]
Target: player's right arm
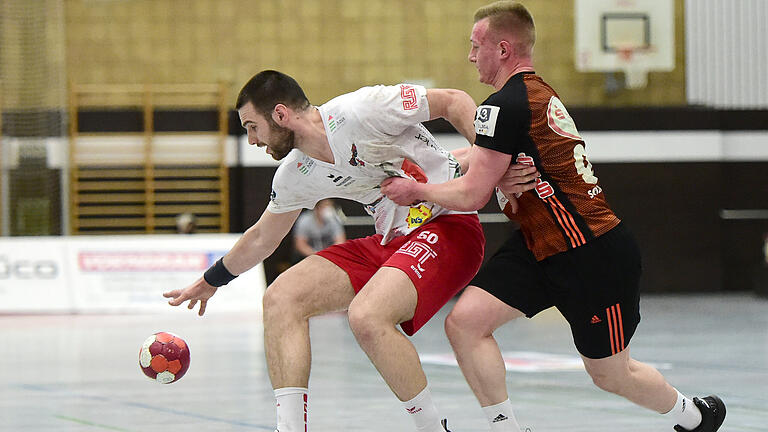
[
  {"x": 259, "y": 241},
  {"x": 457, "y": 107},
  {"x": 256, "y": 244}
]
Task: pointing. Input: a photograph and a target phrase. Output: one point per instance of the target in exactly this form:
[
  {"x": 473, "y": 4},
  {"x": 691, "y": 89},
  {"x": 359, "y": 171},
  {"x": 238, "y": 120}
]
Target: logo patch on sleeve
[
  {"x": 408, "y": 96},
  {"x": 485, "y": 120}
]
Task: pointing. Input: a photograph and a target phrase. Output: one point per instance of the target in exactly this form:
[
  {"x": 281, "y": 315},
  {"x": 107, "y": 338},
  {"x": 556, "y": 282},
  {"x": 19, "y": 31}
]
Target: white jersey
[{"x": 374, "y": 133}]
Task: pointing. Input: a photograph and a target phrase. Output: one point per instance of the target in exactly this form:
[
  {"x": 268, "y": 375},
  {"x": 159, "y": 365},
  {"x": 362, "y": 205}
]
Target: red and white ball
[{"x": 164, "y": 357}]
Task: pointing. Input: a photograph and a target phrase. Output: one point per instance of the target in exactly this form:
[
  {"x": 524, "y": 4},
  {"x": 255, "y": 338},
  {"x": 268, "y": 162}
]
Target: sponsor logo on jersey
[
  {"x": 334, "y": 122},
  {"x": 485, "y": 120},
  {"x": 408, "y": 96},
  {"x": 421, "y": 251},
  {"x": 543, "y": 188},
  {"x": 354, "y": 160},
  {"x": 422, "y": 138},
  {"x": 417, "y": 216},
  {"x": 560, "y": 121},
  {"x": 305, "y": 166},
  {"x": 427, "y": 139},
  {"x": 341, "y": 180},
  {"x": 595, "y": 319}
]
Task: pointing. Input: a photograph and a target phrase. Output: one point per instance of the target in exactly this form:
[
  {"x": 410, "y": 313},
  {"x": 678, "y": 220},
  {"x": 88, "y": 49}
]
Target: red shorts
[{"x": 440, "y": 257}]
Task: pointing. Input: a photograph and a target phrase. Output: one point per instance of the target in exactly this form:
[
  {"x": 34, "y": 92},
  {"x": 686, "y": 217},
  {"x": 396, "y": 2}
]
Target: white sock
[
  {"x": 292, "y": 409},
  {"x": 423, "y": 412},
  {"x": 685, "y": 413},
  {"x": 501, "y": 417}
]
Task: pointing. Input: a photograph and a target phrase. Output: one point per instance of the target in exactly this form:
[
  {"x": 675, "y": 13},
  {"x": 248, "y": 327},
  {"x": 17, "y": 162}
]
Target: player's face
[
  {"x": 264, "y": 132},
  {"x": 483, "y": 52}
]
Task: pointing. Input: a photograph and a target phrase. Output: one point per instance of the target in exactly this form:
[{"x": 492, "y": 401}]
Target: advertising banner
[
  {"x": 117, "y": 274},
  {"x": 33, "y": 275}
]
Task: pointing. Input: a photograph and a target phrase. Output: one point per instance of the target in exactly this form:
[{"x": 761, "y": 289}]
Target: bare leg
[
  {"x": 312, "y": 287},
  {"x": 388, "y": 299},
  {"x": 636, "y": 381},
  {"x": 470, "y": 327}
]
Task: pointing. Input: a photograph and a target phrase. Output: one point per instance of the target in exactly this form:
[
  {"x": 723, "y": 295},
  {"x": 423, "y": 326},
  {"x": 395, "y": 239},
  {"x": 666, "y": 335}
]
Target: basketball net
[{"x": 635, "y": 75}]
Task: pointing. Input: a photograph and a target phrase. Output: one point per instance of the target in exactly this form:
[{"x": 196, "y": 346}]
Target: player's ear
[
  {"x": 280, "y": 114},
  {"x": 505, "y": 48}
]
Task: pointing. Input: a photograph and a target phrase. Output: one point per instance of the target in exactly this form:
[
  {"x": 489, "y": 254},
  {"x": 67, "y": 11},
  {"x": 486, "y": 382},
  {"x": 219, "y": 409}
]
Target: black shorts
[{"x": 594, "y": 286}]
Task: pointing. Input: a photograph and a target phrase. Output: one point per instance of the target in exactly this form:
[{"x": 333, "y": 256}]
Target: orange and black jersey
[{"x": 527, "y": 120}]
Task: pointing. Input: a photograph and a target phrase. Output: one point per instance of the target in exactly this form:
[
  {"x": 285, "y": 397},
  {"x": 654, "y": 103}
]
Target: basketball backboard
[{"x": 633, "y": 36}]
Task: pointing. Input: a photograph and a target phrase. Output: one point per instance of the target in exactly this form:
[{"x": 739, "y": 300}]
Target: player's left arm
[{"x": 457, "y": 107}]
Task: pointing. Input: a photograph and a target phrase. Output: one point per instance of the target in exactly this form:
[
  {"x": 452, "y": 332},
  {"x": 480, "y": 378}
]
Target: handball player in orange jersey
[{"x": 571, "y": 251}]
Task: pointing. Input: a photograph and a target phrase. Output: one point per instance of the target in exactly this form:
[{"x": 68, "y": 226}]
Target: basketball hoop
[{"x": 635, "y": 74}]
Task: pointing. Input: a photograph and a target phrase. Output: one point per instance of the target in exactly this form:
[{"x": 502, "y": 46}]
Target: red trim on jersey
[
  {"x": 567, "y": 222},
  {"x": 573, "y": 222},
  {"x": 562, "y": 223}
]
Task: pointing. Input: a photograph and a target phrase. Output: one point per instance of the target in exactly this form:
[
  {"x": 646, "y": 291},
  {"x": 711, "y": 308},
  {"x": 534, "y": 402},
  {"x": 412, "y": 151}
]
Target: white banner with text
[{"x": 116, "y": 274}]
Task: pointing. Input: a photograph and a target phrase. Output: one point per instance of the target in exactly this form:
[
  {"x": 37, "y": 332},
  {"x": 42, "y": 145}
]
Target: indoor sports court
[
  {"x": 125, "y": 173},
  {"x": 80, "y": 372}
]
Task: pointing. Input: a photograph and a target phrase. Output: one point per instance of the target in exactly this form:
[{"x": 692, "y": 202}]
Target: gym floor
[{"x": 80, "y": 372}]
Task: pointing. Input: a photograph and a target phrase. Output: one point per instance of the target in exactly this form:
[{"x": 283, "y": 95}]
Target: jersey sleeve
[
  {"x": 391, "y": 109},
  {"x": 289, "y": 192},
  {"x": 502, "y": 125}
]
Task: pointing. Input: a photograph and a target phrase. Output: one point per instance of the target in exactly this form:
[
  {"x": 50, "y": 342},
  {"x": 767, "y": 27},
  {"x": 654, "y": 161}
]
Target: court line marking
[{"x": 90, "y": 423}]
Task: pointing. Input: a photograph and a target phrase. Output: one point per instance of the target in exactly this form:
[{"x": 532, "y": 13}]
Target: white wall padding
[{"x": 727, "y": 53}]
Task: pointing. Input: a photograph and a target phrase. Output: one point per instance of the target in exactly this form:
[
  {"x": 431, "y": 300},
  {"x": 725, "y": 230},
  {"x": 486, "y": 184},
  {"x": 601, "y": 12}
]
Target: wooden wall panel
[{"x": 331, "y": 46}]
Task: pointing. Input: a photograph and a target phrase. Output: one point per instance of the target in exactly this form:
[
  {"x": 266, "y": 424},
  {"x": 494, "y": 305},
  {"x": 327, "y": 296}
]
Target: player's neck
[
  {"x": 311, "y": 138},
  {"x": 511, "y": 69}
]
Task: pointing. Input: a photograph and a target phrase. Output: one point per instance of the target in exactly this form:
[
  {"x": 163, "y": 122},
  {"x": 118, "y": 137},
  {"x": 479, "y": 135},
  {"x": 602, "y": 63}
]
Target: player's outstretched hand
[
  {"x": 199, "y": 291},
  {"x": 400, "y": 190},
  {"x": 518, "y": 179}
]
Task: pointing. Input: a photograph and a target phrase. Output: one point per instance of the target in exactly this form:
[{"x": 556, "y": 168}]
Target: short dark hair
[
  {"x": 269, "y": 88},
  {"x": 507, "y": 15}
]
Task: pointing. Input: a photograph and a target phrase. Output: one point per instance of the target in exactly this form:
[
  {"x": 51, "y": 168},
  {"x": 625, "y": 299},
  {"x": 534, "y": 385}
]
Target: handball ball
[{"x": 164, "y": 357}]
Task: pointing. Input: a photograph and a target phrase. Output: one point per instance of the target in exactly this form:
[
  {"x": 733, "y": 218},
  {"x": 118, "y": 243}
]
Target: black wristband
[{"x": 218, "y": 275}]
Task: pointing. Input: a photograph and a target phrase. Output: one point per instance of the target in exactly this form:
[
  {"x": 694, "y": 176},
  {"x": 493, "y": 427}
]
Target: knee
[
  {"x": 610, "y": 382},
  {"x": 365, "y": 323},
  {"x": 462, "y": 323},
  {"x": 280, "y": 302}
]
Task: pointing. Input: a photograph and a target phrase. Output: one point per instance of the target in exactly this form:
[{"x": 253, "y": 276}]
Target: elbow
[
  {"x": 474, "y": 200},
  {"x": 478, "y": 204}
]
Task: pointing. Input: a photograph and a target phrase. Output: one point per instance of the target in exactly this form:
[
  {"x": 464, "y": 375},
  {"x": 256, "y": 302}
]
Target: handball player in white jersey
[{"x": 419, "y": 258}]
